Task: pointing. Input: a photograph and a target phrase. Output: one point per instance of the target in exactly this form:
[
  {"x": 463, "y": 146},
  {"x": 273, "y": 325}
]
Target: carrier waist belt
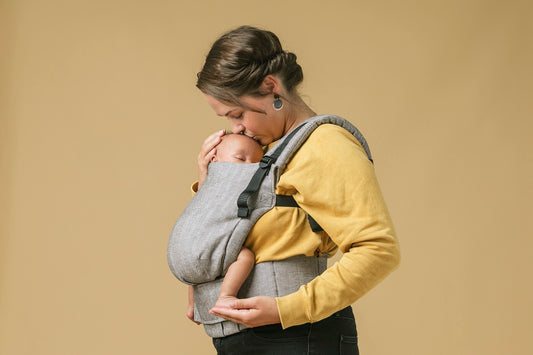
[{"x": 270, "y": 278}]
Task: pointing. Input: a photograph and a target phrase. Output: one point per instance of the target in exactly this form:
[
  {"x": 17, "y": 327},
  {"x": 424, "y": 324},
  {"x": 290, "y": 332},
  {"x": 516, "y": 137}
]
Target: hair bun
[{"x": 239, "y": 61}]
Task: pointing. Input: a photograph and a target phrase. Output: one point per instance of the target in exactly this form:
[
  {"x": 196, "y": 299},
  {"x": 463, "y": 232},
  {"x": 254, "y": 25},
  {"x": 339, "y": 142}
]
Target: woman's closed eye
[{"x": 237, "y": 117}]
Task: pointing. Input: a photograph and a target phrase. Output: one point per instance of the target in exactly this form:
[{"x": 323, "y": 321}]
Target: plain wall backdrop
[{"x": 100, "y": 125}]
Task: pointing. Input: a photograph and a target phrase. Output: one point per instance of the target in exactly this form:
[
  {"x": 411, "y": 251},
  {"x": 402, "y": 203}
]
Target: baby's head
[{"x": 238, "y": 148}]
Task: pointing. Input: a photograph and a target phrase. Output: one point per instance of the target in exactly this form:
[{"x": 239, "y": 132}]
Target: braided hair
[{"x": 239, "y": 61}]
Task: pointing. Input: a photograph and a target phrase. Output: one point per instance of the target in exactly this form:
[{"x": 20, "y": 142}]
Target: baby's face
[{"x": 238, "y": 148}]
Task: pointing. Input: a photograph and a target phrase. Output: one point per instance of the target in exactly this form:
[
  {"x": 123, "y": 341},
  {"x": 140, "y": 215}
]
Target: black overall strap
[
  {"x": 289, "y": 201},
  {"x": 264, "y": 167}
]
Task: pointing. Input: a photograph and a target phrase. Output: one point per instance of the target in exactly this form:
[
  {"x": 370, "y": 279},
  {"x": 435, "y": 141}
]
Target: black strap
[
  {"x": 315, "y": 227},
  {"x": 242, "y": 202},
  {"x": 289, "y": 201},
  {"x": 286, "y": 201},
  {"x": 264, "y": 167}
]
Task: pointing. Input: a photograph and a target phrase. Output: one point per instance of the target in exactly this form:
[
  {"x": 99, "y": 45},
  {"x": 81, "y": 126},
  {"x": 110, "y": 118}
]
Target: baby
[{"x": 236, "y": 148}]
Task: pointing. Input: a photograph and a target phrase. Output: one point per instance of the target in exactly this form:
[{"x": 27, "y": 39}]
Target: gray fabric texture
[
  {"x": 208, "y": 235},
  {"x": 271, "y": 278}
]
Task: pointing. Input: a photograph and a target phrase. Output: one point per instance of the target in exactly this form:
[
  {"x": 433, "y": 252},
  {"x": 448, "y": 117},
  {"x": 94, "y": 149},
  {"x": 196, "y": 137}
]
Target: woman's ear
[{"x": 270, "y": 85}]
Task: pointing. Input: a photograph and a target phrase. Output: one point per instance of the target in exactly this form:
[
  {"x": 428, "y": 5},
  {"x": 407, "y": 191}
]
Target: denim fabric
[{"x": 336, "y": 334}]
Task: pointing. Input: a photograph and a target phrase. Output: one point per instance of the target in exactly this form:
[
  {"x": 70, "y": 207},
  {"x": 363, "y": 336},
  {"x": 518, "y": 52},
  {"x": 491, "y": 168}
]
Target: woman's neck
[{"x": 299, "y": 111}]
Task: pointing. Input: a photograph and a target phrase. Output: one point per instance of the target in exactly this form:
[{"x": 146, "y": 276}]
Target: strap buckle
[{"x": 266, "y": 161}]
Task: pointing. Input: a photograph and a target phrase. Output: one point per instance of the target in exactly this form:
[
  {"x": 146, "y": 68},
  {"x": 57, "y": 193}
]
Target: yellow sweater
[{"x": 331, "y": 178}]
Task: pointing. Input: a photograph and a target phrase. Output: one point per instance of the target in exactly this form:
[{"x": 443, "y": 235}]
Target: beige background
[{"x": 101, "y": 123}]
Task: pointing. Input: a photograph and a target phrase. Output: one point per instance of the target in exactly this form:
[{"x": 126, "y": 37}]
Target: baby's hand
[{"x": 225, "y": 302}]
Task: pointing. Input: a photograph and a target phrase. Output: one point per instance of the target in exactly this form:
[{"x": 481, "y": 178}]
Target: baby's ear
[{"x": 214, "y": 158}]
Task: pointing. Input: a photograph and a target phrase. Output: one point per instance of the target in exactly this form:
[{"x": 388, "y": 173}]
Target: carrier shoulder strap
[
  {"x": 269, "y": 159},
  {"x": 264, "y": 167},
  {"x": 289, "y": 201}
]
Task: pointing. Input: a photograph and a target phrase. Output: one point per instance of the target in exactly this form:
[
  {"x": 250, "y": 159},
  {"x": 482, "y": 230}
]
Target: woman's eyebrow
[
  {"x": 230, "y": 111},
  {"x": 257, "y": 109},
  {"x": 227, "y": 113}
]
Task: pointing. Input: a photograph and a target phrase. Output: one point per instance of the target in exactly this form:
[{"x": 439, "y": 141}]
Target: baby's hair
[{"x": 241, "y": 134}]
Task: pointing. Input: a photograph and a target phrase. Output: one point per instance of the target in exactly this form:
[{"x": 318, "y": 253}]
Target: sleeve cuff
[{"x": 292, "y": 310}]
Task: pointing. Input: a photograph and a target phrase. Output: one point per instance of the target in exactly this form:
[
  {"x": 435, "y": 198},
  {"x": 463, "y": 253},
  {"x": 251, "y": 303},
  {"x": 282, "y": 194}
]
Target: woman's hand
[
  {"x": 207, "y": 152},
  {"x": 250, "y": 312}
]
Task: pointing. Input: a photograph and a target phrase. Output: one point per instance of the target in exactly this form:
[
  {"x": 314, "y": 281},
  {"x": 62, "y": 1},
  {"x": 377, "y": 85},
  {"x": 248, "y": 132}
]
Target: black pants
[{"x": 334, "y": 335}]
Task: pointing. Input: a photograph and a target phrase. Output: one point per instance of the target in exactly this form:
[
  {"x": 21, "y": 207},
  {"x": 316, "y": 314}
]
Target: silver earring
[{"x": 278, "y": 104}]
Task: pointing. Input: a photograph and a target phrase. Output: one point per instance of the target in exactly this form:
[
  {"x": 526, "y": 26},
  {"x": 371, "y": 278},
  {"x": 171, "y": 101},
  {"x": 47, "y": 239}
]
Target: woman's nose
[{"x": 237, "y": 128}]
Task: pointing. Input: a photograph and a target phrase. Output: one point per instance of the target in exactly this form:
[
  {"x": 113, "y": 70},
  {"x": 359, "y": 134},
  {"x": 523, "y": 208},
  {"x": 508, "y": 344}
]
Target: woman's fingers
[
  {"x": 211, "y": 142},
  {"x": 251, "y": 312},
  {"x": 207, "y": 152},
  {"x": 240, "y": 316}
]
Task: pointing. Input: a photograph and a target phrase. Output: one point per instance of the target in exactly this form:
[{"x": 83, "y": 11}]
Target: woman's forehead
[
  {"x": 220, "y": 108},
  {"x": 225, "y": 109}
]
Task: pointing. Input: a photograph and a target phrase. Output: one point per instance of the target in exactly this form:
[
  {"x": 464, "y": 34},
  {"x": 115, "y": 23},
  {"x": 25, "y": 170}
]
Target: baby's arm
[{"x": 235, "y": 277}]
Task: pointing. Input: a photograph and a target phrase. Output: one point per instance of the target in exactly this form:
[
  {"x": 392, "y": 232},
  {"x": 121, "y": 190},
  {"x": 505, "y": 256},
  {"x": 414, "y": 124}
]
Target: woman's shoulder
[
  {"x": 329, "y": 144},
  {"x": 330, "y": 152},
  {"x": 331, "y": 131},
  {"x": 330, "y": 138},
  {"x": 324, "y": 134}
]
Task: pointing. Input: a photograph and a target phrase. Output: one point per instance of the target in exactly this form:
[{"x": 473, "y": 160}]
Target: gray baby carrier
[{"x": 211, "y": 231}]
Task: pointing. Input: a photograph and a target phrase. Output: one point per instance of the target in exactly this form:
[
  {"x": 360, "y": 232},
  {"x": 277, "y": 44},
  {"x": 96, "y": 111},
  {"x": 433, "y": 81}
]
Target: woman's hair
[{"x": 239, "y": 61}]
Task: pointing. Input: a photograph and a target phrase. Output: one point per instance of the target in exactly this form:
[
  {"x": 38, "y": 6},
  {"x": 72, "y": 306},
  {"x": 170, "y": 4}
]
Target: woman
[{"x": 249, "y": 79}]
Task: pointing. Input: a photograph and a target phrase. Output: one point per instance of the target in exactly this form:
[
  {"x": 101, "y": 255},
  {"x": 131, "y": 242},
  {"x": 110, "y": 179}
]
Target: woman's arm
[{"x": 336, "y": 184}]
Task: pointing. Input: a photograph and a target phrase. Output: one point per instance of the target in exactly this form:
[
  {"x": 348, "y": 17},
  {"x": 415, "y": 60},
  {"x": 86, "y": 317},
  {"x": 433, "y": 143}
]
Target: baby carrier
[{"x": 211, "y": 231}]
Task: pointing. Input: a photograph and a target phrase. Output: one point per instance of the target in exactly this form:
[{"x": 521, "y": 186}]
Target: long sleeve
[{"x": 334, "y": 182}]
